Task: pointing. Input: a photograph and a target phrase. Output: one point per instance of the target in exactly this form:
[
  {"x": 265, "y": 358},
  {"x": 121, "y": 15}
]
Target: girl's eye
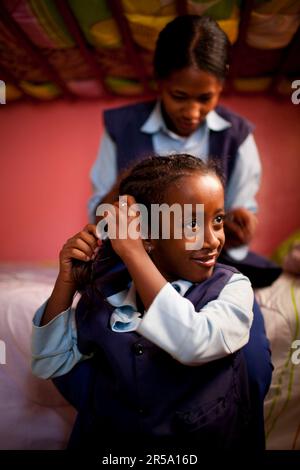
[
  {"x": 178, "y": 97},
  {"x": 192, "y": 225},
  {"x": 205, "y": 98},
  {"x": 219, "y": 219}
]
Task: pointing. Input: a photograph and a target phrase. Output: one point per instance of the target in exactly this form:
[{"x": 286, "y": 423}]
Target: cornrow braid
[{"x": 147, "y": 180}]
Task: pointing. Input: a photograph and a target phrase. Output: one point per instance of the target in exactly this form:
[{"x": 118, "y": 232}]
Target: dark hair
[
  {"x": 147, "y": 182},
  {"x": 191, "y": 40}
]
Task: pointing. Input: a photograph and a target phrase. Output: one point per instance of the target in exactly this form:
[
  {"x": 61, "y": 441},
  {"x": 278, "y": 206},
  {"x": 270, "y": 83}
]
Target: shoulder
[
  {"x": 230, "y": 275},
  {"x": 136, "y": 109},
  {"x": 238, "y": 122},
  {"x": 221, "y": 268}
]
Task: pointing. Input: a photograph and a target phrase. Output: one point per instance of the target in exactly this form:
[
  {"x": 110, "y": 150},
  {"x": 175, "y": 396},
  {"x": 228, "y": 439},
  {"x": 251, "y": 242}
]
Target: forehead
[
  {"x": 192, "y": 81},
  {"x": 196, "y": 189}
]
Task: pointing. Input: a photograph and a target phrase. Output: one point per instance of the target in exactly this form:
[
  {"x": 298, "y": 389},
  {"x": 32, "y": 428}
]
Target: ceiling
[{"x": 103, "y": 48}]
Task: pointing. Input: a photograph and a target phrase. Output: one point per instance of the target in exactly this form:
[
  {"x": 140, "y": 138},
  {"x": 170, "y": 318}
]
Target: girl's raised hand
[
  {"x": 126, "y": 241},
  {"x": 83, "y": 246}
]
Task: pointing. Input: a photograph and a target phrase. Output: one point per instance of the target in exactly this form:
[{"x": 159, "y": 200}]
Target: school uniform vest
[
  {"x": 124, "y": 126},
  {"x": 135, "y": 391}
]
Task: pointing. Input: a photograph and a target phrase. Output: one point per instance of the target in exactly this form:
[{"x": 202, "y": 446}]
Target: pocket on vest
[{"x": 219, "y": 424}]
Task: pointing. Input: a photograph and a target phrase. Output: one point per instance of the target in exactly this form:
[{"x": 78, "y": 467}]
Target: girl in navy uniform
[{"x": 153, "y": 354}]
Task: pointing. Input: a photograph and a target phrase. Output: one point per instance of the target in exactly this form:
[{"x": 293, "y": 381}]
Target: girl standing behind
[
  {"x": 154, "y": 355},
  {"x": 190, "y": 64}
]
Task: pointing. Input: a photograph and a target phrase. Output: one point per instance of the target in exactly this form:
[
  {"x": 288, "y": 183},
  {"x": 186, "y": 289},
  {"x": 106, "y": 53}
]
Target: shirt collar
[
  {"x": 124, "y": 298},
  {"x": 127, "y": 297},
  {"x": 215, "y": 122},
  {"x": 182, "y": 286},
  {"x": 155, "y": 122}
]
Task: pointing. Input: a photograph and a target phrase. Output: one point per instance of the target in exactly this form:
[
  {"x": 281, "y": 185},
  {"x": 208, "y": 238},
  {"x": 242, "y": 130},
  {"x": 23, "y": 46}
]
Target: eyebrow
[
  {"x": 179, "y": 92},
  {"x": 217, "y": 211}
]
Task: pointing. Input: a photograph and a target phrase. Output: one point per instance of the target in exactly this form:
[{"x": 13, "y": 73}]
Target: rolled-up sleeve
[
  {"x": 220, "y": 328},
  {"x": 54, "y": 345}
]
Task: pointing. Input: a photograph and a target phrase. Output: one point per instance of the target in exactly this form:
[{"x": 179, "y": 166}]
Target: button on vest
[{"x": 138, "y": 349}]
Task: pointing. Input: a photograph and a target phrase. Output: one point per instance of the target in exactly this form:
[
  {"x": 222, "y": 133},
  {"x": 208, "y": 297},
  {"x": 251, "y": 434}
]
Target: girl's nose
[
  {"x": 211, "y": 241},
  {"x": 193, "y": 112}
]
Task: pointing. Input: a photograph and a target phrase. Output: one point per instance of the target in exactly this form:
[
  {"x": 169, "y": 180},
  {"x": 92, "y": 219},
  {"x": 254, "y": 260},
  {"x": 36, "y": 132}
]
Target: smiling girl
[{"x": 152, "y": 354}]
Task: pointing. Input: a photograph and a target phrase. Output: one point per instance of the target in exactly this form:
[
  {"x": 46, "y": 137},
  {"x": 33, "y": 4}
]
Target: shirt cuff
[
  {"x": 56, "y": 337},
  {"x": 54, "y": 345}
]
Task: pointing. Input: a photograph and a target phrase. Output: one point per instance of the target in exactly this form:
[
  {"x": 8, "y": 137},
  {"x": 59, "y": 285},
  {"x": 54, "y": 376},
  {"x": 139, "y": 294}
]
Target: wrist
[
  {"x": 66, "y": 285},
  {"x": 131, "y": 255}
]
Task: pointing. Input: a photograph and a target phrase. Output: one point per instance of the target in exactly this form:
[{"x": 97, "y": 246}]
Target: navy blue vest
[
  {"x": 124, "y": 126},
  {"x": 133, "y": 389}
]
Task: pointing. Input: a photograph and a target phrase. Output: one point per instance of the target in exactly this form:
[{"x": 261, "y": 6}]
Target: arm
[
  {"x": 54, "y": 346},
  {"x": 147, "y": 278},
  {"x": 103, "y": 174},
  {"x": 240, "y": 195},
  {"x": 54, "y": 338},
  {"x": 193, "y": 338},
  {"x": 83, "y": 246}
]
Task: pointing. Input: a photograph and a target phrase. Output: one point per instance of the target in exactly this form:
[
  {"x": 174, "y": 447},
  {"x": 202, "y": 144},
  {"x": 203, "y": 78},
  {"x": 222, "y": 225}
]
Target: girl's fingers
[
  {"x": 130, "y": 200},
  {"x": 87, "y": 237},
  {"x": 77, "y": 244},
  {"x": 84, "y": 242},
  {"x": 124, "y": 203},
  {"x": 84, "y": 246},
  {"x": 90, "y": 228},
  {"x": 75, "y": 253}
]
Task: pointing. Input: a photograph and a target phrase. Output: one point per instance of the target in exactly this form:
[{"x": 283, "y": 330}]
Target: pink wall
[{"x": 47, "y": 150}]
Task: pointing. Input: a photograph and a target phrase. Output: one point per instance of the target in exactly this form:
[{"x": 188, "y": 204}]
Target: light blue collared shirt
[
  {"x": 241, "y": 189},
  {"x": 243, "y": 184},
  {"x": 171, "y": 322}
]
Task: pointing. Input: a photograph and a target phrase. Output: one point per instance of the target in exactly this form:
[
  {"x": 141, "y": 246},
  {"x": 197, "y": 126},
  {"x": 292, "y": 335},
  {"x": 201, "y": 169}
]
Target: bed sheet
[
  {"x": 35, "y": 416},
  {"x": 33, "y": 413}
]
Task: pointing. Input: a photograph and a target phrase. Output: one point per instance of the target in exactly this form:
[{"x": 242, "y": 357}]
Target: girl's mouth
[
  {"x": 206, "y": 261},
  {"x": 188, "y": 125}
]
